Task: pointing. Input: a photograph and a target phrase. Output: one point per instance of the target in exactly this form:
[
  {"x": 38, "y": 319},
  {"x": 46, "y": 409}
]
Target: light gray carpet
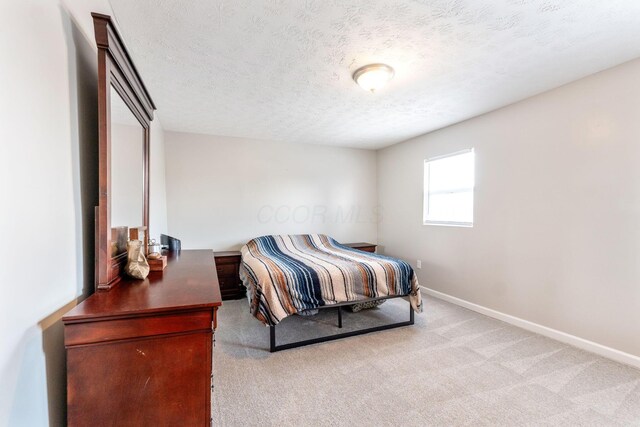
[{"x": 453, "y": 367}]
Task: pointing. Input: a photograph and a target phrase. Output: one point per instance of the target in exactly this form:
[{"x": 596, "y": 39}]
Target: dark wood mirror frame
[{"x": 116, "y": 69}]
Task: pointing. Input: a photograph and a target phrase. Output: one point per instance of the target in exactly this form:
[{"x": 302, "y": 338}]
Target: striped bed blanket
[{"x": 290, "y": 274}]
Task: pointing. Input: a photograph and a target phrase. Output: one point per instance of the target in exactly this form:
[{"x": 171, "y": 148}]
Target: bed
[{"x": 296, "y": 274}]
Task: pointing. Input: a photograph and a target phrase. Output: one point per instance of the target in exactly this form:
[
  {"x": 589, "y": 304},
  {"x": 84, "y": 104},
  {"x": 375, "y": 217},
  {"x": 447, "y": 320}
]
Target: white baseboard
[{"x": 593, "y": 347}]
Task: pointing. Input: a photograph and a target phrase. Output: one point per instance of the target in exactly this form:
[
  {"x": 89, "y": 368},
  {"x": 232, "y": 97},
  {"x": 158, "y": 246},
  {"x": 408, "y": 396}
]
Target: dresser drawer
[
  {"x": 235, "y": 293},
  {"x": 136, "y": 327},
  {"x": 363, "y": 246},
  {"x": 227, "y": 270},
  {"x": 157, "y": 381},
  {"x": 229, "y": 282},
  {"x": 221, "y": 260}
]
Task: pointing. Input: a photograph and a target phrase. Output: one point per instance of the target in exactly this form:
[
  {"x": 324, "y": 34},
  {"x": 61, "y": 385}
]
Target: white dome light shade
[{"x": 373, "y": 77}]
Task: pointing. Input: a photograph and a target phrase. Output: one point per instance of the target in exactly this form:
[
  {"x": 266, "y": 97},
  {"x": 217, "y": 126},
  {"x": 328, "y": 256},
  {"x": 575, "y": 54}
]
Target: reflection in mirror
[{"x": 127, "y": 180}]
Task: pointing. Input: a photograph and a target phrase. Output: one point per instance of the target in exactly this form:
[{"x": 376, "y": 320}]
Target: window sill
[{"x": 449, "y": 224}]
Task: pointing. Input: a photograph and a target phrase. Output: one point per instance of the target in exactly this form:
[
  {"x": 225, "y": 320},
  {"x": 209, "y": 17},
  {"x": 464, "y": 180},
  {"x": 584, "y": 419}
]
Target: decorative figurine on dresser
[{"x": 139, "y": 352}]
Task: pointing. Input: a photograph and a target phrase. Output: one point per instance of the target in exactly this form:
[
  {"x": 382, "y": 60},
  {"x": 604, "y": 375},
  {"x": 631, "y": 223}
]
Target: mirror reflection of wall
[{"x": 127, "y": 180}]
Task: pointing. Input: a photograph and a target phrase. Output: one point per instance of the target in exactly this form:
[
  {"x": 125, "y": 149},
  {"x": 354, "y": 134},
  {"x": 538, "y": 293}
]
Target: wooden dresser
[
  {"x": 141, "y": 353},
  {"x": 228, "y": 267}
]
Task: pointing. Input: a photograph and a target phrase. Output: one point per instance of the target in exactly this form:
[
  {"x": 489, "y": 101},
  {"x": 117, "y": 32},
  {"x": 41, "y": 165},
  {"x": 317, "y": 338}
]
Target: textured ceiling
[{"x": 281, "y": 69}]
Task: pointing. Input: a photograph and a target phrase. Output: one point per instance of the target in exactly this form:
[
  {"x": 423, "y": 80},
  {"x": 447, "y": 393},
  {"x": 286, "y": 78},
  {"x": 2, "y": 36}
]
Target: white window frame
[{"x": 426, "y": 193}]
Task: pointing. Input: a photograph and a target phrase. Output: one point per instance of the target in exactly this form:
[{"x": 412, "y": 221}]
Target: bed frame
[{"x": 273, "y": 347}]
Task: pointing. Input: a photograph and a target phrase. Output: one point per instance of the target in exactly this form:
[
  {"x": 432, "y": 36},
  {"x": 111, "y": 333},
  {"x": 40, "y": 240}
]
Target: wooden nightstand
[
  {"x": 367, "y": 247},
  {"x": 228, "y": 267}
]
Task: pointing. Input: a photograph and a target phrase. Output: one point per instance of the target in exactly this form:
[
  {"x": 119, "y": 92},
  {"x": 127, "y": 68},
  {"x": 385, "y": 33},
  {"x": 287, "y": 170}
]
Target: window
[{"x": 448, "y": 189}]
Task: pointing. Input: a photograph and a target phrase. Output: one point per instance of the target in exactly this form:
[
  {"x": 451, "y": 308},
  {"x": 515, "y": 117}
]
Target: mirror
[
  {"x": 127, "y": 178},
  {"x": 125, "y": 111}
]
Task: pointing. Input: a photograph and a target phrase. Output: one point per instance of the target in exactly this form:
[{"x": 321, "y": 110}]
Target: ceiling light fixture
[{"x": 373, "y": 77}]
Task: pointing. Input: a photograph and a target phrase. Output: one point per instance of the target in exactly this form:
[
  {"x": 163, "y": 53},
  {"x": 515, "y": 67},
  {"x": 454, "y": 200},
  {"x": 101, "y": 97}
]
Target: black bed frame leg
[
  {"x": 339, "y": 316},
  {"x": 272, "y": 338},
  {"x": 411, "y": 319}
]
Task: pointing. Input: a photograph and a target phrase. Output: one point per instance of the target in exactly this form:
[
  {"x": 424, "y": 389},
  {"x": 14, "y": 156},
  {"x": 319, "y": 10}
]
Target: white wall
[
  {"x": 157, "y": 182},
  {"x": 556, "y": 239},
  {"x": 48, "y": 187},
  {"x": 225, "y": 191}
]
